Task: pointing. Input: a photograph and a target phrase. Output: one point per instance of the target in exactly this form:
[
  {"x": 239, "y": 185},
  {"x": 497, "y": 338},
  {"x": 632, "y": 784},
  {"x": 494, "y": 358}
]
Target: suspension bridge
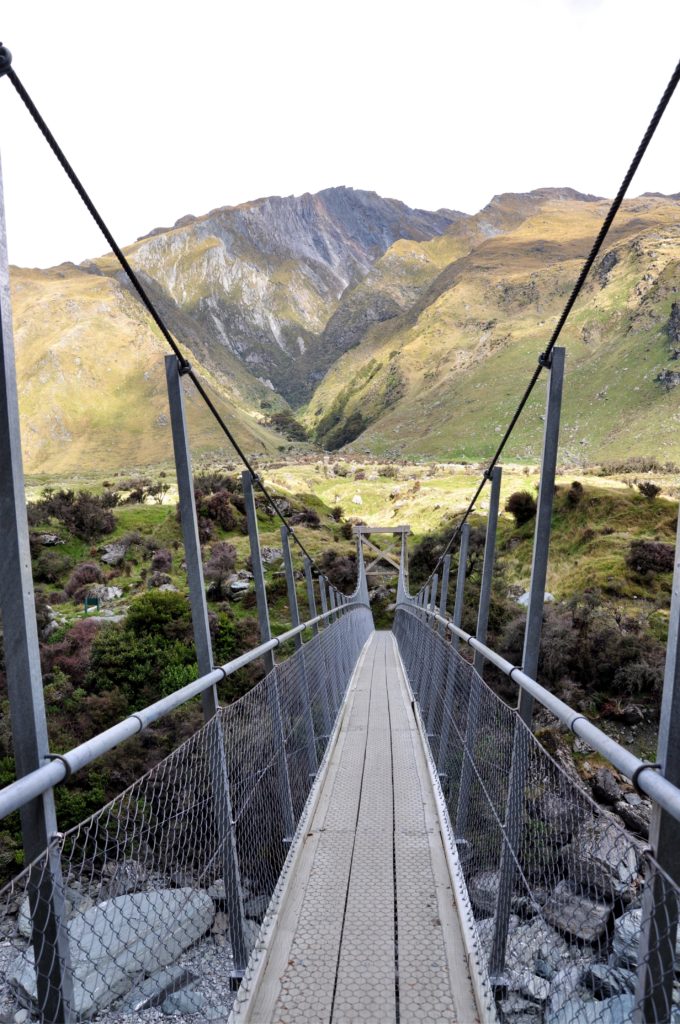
[{"x": 370, "y": 833}]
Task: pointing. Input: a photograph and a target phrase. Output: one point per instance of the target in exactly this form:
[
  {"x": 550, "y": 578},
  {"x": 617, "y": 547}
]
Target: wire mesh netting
[
  {"x": 558, "y": 887},
  {"x": 160, "y": 895}
]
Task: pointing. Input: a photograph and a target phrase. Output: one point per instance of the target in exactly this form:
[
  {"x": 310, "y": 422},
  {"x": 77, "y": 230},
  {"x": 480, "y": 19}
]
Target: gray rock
[
  {"x": 244, "y": 574},
  {"x": 483, "y": 891},
  {"x": 606, "y": 1011},
  {"x": 169, "y": 588},
  {"x": 604, "y": 981},
  {"x": 185, "y": 1001},
  {"x": 116, "y": 943},
  {"x": 606, "y": 789},
  {"x": 156, "y": 989},
  {"x": 524, "y": 599},
  {"x": 576, "y": 915},
  {"x": 104, "y": 593},
  {"x": 48, "y": 540},
  {"x": 114, "y": 553},
  {"x": 636, "y": 817},
  {"x": 271, "y": 555},
  {"x": 604, "y": 858},
  {"x": 627, "y": 937},
  {"x": 530, "y": 985},
  {"x": 239, "y": 587},
  {"x": 557, "y": 815},
  {"x": 124, "y": 876},
  {"x": 74, "y": 901}
]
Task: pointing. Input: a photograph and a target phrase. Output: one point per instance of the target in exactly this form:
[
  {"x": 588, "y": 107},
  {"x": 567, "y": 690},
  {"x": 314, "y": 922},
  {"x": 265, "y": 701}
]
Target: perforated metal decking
[{"x": 366, "y": 928}]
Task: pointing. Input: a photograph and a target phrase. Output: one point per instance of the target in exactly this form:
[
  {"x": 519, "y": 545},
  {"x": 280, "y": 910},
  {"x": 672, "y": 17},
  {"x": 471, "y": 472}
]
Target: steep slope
[
  {"x": 91, "y": 379},
  {"x": 262, "y": 279},
  {"x": 441, "y": 378}
]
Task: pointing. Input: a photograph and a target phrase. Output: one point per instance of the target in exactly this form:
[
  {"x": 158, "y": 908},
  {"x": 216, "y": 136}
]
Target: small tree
[
  {"x": 522, "y": 506},
  {"x": 220, "y": 564},
  {"x": 649, "y": 489}
]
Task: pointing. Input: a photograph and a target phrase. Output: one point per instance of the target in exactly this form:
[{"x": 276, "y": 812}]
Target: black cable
[
  {"x": 184, "y": 364},
  {"x": 544, "y": 358}
]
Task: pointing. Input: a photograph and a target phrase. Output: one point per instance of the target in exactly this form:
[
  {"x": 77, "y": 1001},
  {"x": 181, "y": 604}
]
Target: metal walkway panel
[{"x": 366, "y": 929}]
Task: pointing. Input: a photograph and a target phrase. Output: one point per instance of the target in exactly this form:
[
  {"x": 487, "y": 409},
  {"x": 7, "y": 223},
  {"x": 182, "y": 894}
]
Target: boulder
[
  {"x": 271, "y": 555},
  {"x": 606, "y": 1011},
  {"x": 606, "y": 789},
  {"x": 117, "y": 942},
  {"x": 74, "y": 901},
  {"x": 114, "y": 553},
  {"x": 186, "y": 1000},
  {"x": 104, "y": 593},
  {"x": 575, "y": 915},
  {"x": 155, "y": 990},
  {"x": 636, "y": 817},
  {"x": 627, "y": 938},
  {"x": 239, "y": 587},
  {"x": 604, "y": 981},
  {"x": 48, "y": 540},
  {"x": 483, "y": 892},
  {"x": 602, "y": 858}
]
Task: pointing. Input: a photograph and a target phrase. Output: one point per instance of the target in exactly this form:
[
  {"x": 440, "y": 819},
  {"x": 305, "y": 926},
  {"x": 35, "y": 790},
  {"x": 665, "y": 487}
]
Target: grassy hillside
[
  {"x": 91, "y": 378},
  {"x": 463, "y": 351}
]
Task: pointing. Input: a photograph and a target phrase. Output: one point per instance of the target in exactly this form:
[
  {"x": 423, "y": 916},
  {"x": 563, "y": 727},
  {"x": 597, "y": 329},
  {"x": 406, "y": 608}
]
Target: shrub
[
  {"x": 161, "y": 561},
  {"x": 341, "y": 570},
  {"x": 306, "y": 517},
  {"x": 337, "y": 512},
  {"x": 80, "y": 579},
  {"x": 346, "y": 531},
  {"x": 219, "y": 508},
  {"x": 220, "y": 564},
  {"x": 50, "y": 565},
  {"x": 648, "y": 556},
  {"x": 287, "y": 425},
  {"x": 84, "y": 515},
  {"x": 649, "y": 489},
  {"x": 522, "y": 506},
  {"x": 575, "y": 493}
]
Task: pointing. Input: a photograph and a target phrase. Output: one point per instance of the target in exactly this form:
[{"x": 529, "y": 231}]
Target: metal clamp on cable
[
  {"x": 5, "y": 60},
  {"x": 636, "y": 774},
  {"x": 184, "y": 367},
  {"x": 545, "y": 361},
  {"x": 512, "y": 671},
  {"x": 59, "y": 757}
]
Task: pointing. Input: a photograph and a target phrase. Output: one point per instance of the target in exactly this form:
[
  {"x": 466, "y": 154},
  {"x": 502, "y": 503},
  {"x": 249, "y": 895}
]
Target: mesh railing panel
[
  {"x": 146, "y": 881},
  {"x": 556, "y": 884}
]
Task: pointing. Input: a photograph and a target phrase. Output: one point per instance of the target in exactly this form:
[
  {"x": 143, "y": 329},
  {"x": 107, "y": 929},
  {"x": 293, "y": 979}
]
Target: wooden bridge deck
[{"x": 366, "y": 928}]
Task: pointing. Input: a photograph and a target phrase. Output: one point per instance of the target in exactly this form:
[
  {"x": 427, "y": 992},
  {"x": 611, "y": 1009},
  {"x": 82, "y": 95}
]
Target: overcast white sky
[{"x": 169, "y": 108}]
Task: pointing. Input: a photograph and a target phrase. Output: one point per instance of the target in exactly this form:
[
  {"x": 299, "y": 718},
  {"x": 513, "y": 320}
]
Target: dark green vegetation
[
  {"x": 603, "y": 642},
  {"x": 137, "y": 646}
]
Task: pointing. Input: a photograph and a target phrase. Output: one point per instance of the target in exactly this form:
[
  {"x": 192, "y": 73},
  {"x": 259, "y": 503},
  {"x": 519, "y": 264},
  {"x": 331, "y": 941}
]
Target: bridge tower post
[
  {"x": 473, "y": 697},
  {"x": 265, "y": 635},
  {"x": 49, "y": 936},
  {"x": 659, "y": 928},
  {"x": 460, "y": 581},
  {"x": 295, "y": 621},
  {"x": 444, "y": 596},
  {"x": 457, "y": 618},
  {"x": 311, "y": 601},
  {"x": 204, "y": 655},
  {"x": 514, "y": 815}
]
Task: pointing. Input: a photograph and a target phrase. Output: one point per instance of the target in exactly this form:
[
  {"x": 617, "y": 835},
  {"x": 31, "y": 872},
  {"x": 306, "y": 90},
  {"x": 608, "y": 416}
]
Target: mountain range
[{"x": 388, "y": 330}]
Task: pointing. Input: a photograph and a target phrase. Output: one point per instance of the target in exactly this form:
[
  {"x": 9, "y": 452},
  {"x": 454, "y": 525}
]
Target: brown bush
[
  {"x": 647, "y": 556},
  {"x": 522, "y": 506},
  {"x": 80, "y": 579}
]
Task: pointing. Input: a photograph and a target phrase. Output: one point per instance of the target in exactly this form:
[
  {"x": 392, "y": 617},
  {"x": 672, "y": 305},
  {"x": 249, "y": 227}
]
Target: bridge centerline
[{"x": 367, "y": 919}]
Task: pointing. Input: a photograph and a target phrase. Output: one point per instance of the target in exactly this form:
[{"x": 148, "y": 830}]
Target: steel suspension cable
[
  {"x": 544, "y": 357},
  {"x": 184, "y": 364}
]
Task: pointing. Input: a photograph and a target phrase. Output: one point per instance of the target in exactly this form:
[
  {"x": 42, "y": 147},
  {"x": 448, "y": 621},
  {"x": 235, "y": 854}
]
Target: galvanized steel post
[
  {"x": 514, "y": 815},
  {"x": 657, "y": 950},
  {"x": 444, "y": 596},
  {"x": 487, "y": 571},
  {"x": 460, "y": 582},
  {"x": 204, "y": 655},
  {"x": 295, "y": 621},
  {"x": 473, "y": 697},
  {"x": 24, "y": 682},
  {"x": 266, "y": 634},
  {"x": 311, "y": 601}
]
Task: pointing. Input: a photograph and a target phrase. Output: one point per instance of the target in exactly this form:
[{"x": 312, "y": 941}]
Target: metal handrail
[
  {"x": 61, "y": 766},
  {"x": 645, "y": 776}
]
